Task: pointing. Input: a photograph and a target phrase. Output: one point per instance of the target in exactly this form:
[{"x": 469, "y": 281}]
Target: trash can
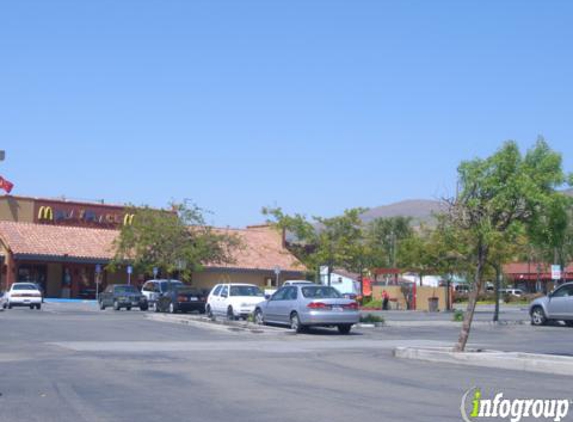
[{"x": 433, "y": 303}]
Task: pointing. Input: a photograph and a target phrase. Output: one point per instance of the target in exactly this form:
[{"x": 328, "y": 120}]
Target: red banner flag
[{"x": 6, "y": 185}]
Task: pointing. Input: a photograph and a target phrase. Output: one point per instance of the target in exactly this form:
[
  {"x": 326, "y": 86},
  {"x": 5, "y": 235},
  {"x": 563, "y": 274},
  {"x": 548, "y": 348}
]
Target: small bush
[
  {"x": 458, "y": 315},
  {"x": 371, "y": 319},
  {"x": 373, "y": 304}
]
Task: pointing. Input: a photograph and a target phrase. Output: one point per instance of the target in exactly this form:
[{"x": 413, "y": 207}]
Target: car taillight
[
  {"x": 352, "y": 306},
  {"x": 181, "y": 298},
  {"x": 317, "y": 305}
]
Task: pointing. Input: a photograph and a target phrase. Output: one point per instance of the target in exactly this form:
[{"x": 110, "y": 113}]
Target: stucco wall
[
  {"x": 16, "y": 209},
  {"x": 423, "y": 293},
  {"x": 209, "y": 279}
]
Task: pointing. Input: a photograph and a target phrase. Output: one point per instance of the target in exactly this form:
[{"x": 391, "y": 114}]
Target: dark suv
[{"x": 122, "y": 296}]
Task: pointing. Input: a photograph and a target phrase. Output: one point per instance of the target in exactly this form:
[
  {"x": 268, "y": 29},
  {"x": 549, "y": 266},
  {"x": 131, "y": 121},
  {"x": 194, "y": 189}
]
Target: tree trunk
[{"x": 472, "y": 301}]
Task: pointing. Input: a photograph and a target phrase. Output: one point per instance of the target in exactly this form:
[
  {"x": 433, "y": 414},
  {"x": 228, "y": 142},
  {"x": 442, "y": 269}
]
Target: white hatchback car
[
  {"x": 23, "y": 294},
  {"x": 233, "y": 300}
]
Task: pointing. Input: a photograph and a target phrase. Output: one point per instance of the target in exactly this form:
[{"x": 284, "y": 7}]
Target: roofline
[
  {"x": 65, "y": 201},
  {"x": 95, "y": 260}
]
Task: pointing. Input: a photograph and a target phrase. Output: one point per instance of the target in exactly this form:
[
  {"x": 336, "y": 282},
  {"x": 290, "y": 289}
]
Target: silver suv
[
  {"x": 153, "y": 289},
  {"x": 556, "y": 306}
]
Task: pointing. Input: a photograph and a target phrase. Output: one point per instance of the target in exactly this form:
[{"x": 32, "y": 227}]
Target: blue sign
[
  {"x": 155, "y": 272},
  {"x": 98, "y": 268},
  {"x": 129, "y": 269}
]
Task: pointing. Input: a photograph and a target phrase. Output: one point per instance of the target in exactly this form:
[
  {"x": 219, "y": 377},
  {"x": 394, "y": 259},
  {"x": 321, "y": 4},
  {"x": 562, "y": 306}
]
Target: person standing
[{"x": 385, "y": 299}]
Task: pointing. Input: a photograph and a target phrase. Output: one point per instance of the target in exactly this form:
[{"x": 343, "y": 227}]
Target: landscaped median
[
  {"x": 531, "y": 362},
  {"x": 202, "y": 321}
]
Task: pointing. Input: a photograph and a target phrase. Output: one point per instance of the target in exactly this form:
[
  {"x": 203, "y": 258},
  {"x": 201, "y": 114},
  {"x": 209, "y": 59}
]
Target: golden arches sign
[
  {"x": 128, "y": 219},
  {"x": 46, "y": 213}
]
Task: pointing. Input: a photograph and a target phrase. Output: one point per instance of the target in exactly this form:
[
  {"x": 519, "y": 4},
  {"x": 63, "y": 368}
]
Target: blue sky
[{"x": 312, "y": 105}]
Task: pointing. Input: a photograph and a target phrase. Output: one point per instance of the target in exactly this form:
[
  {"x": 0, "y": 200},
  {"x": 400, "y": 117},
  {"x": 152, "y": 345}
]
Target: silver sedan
[{"x": 303, "y": 306}]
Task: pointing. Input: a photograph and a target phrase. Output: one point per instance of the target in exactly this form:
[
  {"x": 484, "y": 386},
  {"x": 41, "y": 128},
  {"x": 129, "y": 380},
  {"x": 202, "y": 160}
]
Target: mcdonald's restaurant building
[{"x": 64, "y": 246}]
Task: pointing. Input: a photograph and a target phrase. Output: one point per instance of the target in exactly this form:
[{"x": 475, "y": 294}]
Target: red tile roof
[
  {"x": 262, "y": 249},
  {"x": 530, "y": 268},
  {"x": 262, "y": 246},
  {"x": 48, "y": 240}
]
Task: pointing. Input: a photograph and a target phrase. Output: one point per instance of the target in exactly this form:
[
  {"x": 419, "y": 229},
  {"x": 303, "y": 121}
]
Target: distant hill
[{"x": 420, "y": 210}]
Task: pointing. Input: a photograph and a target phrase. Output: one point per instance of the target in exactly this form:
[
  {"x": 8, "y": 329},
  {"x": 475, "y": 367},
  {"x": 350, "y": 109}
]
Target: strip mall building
[{"x": 62, "y": 244}]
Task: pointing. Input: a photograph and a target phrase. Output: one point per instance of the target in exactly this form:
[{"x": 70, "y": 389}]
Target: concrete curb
[
  {"x": 220, "y": 325},
  {"x": 416, "y": 324},
  {"x": 530, "y": 362}
]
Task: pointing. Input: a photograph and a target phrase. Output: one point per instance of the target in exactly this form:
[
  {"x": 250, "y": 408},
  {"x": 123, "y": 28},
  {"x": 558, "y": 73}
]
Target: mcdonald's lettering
[
  {"x": 46, "y": 213},
  {"x": 128, "y": 219}
]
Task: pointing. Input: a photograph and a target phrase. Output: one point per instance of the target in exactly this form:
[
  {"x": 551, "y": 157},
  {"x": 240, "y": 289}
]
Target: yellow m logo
[
  {"x": 45, "y": 213},
  {"x": 128, "y": 219}
]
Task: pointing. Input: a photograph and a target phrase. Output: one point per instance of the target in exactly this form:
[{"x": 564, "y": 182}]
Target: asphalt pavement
[{"x": 72, "y": 362}]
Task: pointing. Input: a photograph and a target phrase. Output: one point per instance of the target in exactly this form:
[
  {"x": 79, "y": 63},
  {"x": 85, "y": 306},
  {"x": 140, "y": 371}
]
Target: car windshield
[
  {"x": 320, "y": 292},
  {"x": 24, "y": 287},
  {"x": 246, "y": 291},
  {"x": 125, "y": 289}
]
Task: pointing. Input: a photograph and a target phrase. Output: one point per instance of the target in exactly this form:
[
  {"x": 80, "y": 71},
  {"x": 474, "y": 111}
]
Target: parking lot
[{"x": 72, "y": 362}]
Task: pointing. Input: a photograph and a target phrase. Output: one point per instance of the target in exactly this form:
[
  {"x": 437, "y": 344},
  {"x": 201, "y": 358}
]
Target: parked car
[
  {"x": 153, "y": 289},
  {"x": 556, "y": 306},
  {"x": 303, "y": 306},
  {"x": 181, "y": 298},
  {"x": 122, "y": 296},
  {"x": 234, "y": 300},
  {"x": 296, "y": 282},
  {"x": 512, "y": 292},
  {"x": 23, "y": 294}
]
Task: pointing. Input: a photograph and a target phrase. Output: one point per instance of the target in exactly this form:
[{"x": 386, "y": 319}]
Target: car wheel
[
  {"x": 209, "y": 312},
  {"x": 538, "y": 316},
  {"x": 295, "y": 323},
  {"x": 259, "y": 318},
  {"x": 4, "y": 305},
  {"x": 39, "y": 306},
  {"x": 116, "y": 306},
  {"x": 144, "y": 307},
  {"x": 101, "y": 305},
  {"x": 344, "y": 328},
  {"x": 230, "y": 314},
  {"x": 128, "y": 308},
  {"x": 32, "y": 306},
  {"x": 569, "y": 323},
  {"x": 172, "y": 308}
]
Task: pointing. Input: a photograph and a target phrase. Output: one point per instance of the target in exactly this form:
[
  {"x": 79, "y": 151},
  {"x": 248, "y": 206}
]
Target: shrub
[
  {"x": 371, "y": 319},
  {"x": 458, "y": 315}
]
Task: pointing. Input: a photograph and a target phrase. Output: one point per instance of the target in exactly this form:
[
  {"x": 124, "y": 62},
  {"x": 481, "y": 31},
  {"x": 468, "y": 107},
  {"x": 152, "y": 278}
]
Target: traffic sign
[
  {"x": 129, "y": 269},
  {"x": 155, "y": 272},
  {"x": 556, "y": 272},
  {"x": 98, "y": 268}
]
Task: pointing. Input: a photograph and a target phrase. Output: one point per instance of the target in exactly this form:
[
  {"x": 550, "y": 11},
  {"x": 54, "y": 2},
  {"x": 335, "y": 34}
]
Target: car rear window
[
  {"x": 246, "y": 291},
  {"x": 168, "y": 285},
  {"x": 320, "y": 292},
  {"x": 126, "y": 289},
  {"x": 24, "y": 287},
  {"x": 188, "y": 290}
]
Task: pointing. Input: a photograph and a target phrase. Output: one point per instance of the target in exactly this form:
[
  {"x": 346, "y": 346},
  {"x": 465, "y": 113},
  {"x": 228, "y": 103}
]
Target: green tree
[
  {"x": 337, "y": 241},
  {"x": 498, "y": 195},
  {"x": 384, "y": 237},
  {"x": 174, "y": 241}
]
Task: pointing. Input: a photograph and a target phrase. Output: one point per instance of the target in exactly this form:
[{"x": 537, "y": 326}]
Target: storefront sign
[{"x": 61, "y": 213}]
